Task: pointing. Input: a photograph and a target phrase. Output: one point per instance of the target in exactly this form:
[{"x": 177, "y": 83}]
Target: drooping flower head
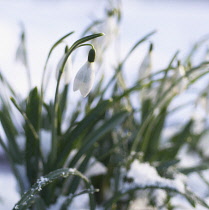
[
  {"x": 84, "y": 79},
  {"x": 146, "y": 65}
]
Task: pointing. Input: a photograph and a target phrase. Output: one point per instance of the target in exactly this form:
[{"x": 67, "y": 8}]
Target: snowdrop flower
[
  {"x": 146, "y": 65},
  {"x": 68, "y": 67},
  {"x": 84, "y": 79},
  {"x": 145, "y": 70},
  {"x": 21, "y": 51},
  {"x": 66, "y": 73},
  {"x": 182, "y": 85}
]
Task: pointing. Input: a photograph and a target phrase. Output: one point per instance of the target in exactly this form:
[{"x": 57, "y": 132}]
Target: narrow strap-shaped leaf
[
  {"x": 71, "y": 136},
  {"x": 12, "y": 158},
  {"x": 191, "y": 197},
  {"x": 195, "y": 48},
  {"x": 10, "y": 132},
  {"x": 6, "y": 82},
  {"x": 68, "y": 200},
  {"x": 163, "y": 82},
  {"x": 48, "y": 56},
  {"x": 71, "y": 189},
  {"x": 201, "y": 167},
  {"x": 62, "y": 107},
  {"x": 31, "y": 116},
  {"x": 32, "y": 142},
  {"x": 27, "y": 199},
  {"x": 151, "y": 139},
  {"x": 30, "y": 125},
  {"x": 98, "y": 133}
]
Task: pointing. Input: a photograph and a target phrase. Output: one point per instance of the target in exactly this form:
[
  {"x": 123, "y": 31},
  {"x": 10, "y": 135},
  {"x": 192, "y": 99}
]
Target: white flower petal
[
  {"x": 84, "y": 79},
  {"x": 67, "y": 71},
  {"x": 145, "y": 68},
  {"x": 79, "y": 78},
  {"x": 59, "y": 66},
  {"x": 68, "y": 67}
]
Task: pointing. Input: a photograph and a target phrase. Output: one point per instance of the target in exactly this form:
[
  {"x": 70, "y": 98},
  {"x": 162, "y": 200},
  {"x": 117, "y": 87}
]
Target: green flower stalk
[{"x": 77, "y": 44}]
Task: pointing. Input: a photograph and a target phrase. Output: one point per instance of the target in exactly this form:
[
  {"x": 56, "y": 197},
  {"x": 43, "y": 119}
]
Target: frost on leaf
[
  {"x": 41, "y": 182},
  {"x": 72, "y": 170},
  {"x": 16, "y": 207}
]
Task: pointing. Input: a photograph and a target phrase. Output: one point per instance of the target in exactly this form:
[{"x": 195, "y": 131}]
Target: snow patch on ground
[
  {"x": 146, "y": 175},
  {"x": 8, "y": 193},
  {"x": 80, "y": 202}
]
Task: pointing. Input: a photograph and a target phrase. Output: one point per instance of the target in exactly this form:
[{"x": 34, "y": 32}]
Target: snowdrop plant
[{"x": 104, "y": 151}]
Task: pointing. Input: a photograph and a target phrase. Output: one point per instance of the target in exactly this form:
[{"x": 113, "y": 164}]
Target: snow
[
  {"x": 45, "y": 137},
  {"x": 187, "y": 158},
  {"x": 20, "y": 139},
  {"x": 181, "y": 203},
  {"x": 76, "y": 203},
  {"x": 146, "y": 175},
  {"x": 95, "y": 168},
  {"x": 159, "y": 197},
  {"x": 16, "y": 207},
  {"x": 72, "y": 170},
  {"x": 197, "y": 185},
  {"x": 204, "y": 144},
  {"x": 41, "y": 181},
  {"x": 8, "y": 193},
  {"x": 22, "y": 173}
]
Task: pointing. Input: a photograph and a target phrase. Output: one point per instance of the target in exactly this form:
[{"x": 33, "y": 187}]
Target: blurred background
[{"x": 179, "y": 24}]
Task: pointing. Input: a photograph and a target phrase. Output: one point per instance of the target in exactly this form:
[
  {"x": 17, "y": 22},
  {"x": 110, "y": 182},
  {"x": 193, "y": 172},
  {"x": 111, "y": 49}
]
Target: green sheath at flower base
[{"x": 150, "y": 47}]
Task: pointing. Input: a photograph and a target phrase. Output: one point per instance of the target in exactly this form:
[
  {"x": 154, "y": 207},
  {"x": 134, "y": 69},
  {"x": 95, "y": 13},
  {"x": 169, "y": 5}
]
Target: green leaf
[
  {"x": 201, "y": 167},
  {"x": 62, "y": 107},
  {"x": 11, "y": 133},
  {"x": 98, "y": 133},
  {"x": 29, "y": 197},
  {"x": 191, "y": 197},
  {"x": 76, "y": 180},
  {"x": 177, "y": 141},
  {"x": 71, "y": 136},
  {"x": 151, "y": 140},
  {"x": 32, "y": 155}
]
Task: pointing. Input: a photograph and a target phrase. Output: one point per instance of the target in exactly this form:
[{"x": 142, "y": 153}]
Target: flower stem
[{"x": 53, "y": 154}]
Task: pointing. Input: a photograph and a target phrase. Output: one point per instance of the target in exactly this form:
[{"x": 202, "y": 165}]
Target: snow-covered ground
[{"x": 178, "y": 23}]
